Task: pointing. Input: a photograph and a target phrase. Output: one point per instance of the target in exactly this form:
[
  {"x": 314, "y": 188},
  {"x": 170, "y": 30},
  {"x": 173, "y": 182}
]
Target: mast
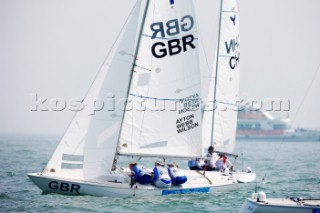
[
  {"x": 216, "y": 73},
  {"x": 131, "y": 74}
]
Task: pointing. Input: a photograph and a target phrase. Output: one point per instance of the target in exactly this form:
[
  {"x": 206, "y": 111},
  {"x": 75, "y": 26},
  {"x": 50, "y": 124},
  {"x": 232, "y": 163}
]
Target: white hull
[
  {"x": 196, "y": 184},
  {"x": 278, "y": 206},
  {"x": 244, "y": 177}
]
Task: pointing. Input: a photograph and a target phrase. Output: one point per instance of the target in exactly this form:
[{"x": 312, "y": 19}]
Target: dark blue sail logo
[
  {"x": 172, "y": 2},
  {"x": 233, "y": 19}
]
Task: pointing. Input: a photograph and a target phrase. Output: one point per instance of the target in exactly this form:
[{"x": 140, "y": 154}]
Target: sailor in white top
[
  {"x": 210, "y": 163},
  {"x": 177, "y": 177},
  {"x": 161, "y": 177},
  {"x": 140, "y": 174}
]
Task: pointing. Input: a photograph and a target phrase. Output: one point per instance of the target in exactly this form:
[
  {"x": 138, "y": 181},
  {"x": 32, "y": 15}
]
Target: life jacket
[
  {"x": 174, "y": 172},
  {"x": 192, "y": 163},
  {"x": 221, "y": 163},
  {"x": 143, "y": 171},
  {"x": 163, "y": 173},
  {"x": 195, "y": 163}
]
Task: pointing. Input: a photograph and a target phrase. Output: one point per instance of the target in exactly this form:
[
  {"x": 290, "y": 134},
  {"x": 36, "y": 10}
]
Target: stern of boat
[{"x": 248, "y": 206}]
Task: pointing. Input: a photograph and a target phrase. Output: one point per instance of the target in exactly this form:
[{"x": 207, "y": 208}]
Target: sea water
[{"x": 289, "y": 169}]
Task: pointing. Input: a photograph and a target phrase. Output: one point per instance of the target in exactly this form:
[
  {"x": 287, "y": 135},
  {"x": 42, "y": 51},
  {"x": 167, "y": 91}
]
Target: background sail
[
  {"x": 87, "y": 149},
  {"x": 165, "y": 91},
  {"x": 228, "y": 74}
]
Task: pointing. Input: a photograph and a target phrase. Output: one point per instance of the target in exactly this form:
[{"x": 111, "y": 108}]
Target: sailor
[
  {"x": 161, "y": 178},
  {"x": 140, "y": 174},
  {"x": 196, "y": 164},
  {"x": 221, "y": 163},
  {"x": 177, "y": 177},
  {"x": 212, "y": 157}
]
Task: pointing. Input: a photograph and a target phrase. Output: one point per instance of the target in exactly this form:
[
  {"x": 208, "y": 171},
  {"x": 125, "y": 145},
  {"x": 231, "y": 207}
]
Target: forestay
[
  {"x": 220, "y": 124},
  {"x": 163, "y": 117},
  {"x": 87, "y": 149}
]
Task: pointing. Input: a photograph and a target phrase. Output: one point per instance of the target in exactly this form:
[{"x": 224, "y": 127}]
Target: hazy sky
[{"x": 55, "y": 48}]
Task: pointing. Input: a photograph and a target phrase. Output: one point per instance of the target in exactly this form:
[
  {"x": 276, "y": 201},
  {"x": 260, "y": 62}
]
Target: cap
[
  {"x": 159, "y": 162},
  {"x": 171, "y": 164}
]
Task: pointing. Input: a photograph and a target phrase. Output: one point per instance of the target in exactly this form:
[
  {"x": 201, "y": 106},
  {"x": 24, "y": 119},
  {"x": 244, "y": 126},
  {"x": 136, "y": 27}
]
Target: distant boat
[
  {"x": 259, "y": 203},
  {"x": 219, "y": 126},
  {"x": 254, "y": 124}
]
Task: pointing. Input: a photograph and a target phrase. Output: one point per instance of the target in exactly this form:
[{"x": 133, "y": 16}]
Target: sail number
[
  {"x": 172, "y": 28},
  {"x": 65, "y": 187},
  {"x": 232, "y": 47}
]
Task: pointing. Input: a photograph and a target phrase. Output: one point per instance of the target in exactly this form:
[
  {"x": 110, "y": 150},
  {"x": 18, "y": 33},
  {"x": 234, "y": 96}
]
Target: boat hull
[
  {"x": 197, "y": 184},
  {"x": 276, "y": 206}
]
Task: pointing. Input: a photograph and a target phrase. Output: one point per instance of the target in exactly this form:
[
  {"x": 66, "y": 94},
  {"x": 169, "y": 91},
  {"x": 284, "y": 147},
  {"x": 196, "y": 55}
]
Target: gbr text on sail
[{"x": 174, "y": 27}]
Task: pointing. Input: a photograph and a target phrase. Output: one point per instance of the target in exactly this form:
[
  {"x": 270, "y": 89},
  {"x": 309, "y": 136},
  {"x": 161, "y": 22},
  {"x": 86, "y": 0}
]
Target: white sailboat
[
  {"x": 163, "y": 68},
  {"x": 221, "y": 109},
  {"x": 259, "y": 203}
]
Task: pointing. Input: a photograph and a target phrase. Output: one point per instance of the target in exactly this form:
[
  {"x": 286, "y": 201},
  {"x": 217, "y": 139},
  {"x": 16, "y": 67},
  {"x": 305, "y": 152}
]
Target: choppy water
[{"x": 294, "y": 172}]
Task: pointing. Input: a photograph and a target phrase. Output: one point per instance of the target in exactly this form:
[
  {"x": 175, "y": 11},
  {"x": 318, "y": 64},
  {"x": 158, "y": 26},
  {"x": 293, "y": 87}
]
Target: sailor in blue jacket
[
  {"x": 141, "y": 174},
  {"x": 177, "y": 177},
  {"x": 161, "y": 178},
  {"x": 196, "y": 164}
]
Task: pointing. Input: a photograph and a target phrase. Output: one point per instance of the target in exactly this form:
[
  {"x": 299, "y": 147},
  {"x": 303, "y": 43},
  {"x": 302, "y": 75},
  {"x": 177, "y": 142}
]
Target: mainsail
[
  {"x": 87, "y": 148},
  {"x": 220, "y": 112},
  {"x": 163, "y": 117}
]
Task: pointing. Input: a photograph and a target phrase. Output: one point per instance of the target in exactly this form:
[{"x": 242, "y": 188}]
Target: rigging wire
[
  {"x": 203, "y": 49},
  {"x": 295, "y": 116},
  {"x": 147, "y": 92},
  {"x": 114, "y": 43},
  {"x": 212, "y": 73},
  {"x": 136, "y": 53}
]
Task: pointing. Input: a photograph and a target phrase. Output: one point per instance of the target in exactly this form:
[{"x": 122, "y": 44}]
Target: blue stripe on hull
[{"x": 186, "y": 191}]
